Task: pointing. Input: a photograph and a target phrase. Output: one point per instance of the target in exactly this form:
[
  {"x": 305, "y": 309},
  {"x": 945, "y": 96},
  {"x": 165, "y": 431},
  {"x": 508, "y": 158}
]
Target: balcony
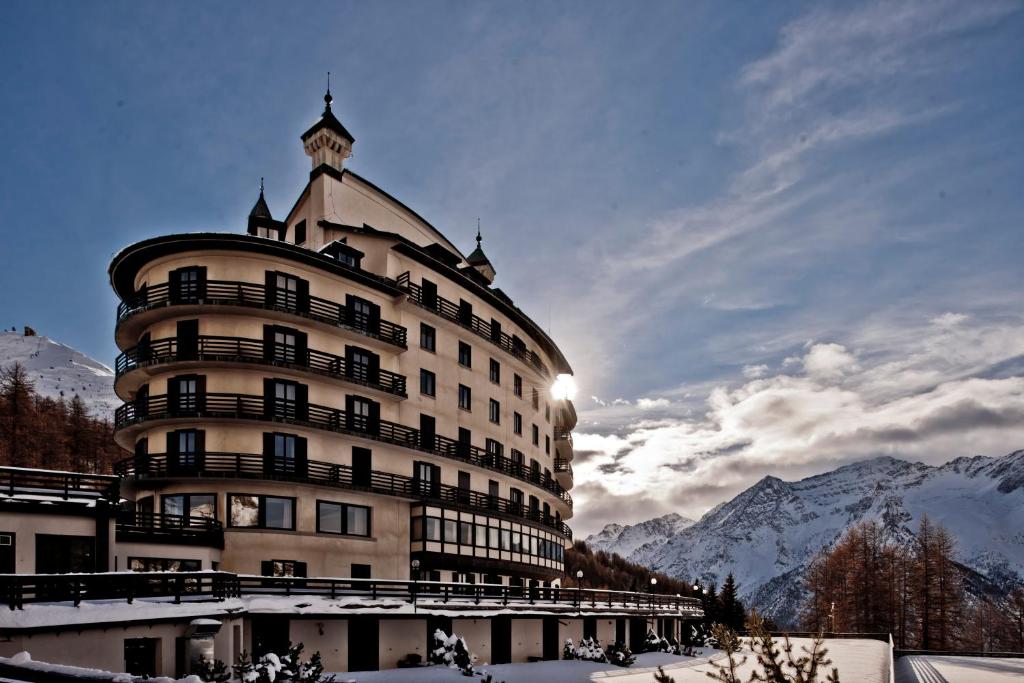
[
  {"x": 154, "y": 527},
  {"x": 474, "y": 323},
  {"x": 257, "y": 466},
  {"x": 250, "y": 407},
  {"x": 21, "y": 589},
  {"x": 17, "y": 481},
  {"x": 217, "y": 349},
  {"x": 252, "y": 295},
  {"x": 563, "y": 471}
]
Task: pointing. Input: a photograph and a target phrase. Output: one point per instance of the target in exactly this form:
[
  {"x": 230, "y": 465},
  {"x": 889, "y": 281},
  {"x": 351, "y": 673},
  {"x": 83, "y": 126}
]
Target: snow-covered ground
[
  {"x": 952, "y": 669},
  {"x": 858, "y": 661}
]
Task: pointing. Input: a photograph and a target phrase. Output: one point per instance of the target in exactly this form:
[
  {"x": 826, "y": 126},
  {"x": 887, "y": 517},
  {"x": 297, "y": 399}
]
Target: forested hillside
[{"x": 38, "y": 431}]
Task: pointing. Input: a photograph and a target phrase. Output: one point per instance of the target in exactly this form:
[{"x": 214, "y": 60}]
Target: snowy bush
[
  {"x": 452, "y": 652},
  {"x": 213, "y": 671},
  {"x": 619, "y": 655},
  {"x": 286, "y": 668},
  {"x": 568, "y": 650},
  {"x": 589, "y": 650},
  {"x": 656, "y": 643}
]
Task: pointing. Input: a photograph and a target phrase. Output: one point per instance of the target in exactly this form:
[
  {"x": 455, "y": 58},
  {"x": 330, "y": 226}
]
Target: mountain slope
[
  {"x": 624, "y": 540},
  {"x": 58, "y": 370},
  {"x": 767, "y": 534}
]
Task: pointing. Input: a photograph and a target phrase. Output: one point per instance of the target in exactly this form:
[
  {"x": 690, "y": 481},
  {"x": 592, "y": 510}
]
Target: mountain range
[
  {"x": 59, "y": 371},
  {"x": 767, "y": 535}
]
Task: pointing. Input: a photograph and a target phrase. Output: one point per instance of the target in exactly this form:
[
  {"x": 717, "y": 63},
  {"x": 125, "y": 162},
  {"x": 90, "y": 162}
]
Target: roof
[
  {"x": 260, "y": 208},
  {"x": 329, "y": 121}
]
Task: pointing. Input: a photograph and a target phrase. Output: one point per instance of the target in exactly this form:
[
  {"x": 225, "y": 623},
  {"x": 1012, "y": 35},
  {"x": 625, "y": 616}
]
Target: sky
[{"x": 771, "y": 238}]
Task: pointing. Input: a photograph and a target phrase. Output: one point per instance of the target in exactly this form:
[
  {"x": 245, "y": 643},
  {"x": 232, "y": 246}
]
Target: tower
[{"x": 327, "y": 141}]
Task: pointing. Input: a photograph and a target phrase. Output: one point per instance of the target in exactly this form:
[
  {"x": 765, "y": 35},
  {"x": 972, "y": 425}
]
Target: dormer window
[{"x": 344, "y": 254}]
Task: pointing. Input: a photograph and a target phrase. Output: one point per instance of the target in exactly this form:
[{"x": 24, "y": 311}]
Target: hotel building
[{"x": 336, "y": 393}]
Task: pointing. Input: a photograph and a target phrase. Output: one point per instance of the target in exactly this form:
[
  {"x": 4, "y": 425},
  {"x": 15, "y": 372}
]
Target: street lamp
[
  {"x": 654, "y": 582},
  {"x": 579, "y": 591},
  {"x": 415, "y": 580}
]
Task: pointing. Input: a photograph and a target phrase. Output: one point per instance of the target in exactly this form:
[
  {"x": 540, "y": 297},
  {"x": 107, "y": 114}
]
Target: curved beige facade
[{"x": 346, "y": 393}]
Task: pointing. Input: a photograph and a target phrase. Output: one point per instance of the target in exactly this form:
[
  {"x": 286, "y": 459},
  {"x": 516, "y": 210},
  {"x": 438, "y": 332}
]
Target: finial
[
  {"x": 327, "y": 98},
  {"x": 261, "y": 184},
  {"x": 478, "y": 231}
]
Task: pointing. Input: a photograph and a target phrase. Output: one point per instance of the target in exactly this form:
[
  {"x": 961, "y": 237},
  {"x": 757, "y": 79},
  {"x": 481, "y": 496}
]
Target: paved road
[{"x": 952, "y": 669}]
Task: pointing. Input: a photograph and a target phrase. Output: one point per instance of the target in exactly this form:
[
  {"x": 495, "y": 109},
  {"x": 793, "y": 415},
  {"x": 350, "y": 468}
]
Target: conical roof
[{"x": 329, "y": 121}]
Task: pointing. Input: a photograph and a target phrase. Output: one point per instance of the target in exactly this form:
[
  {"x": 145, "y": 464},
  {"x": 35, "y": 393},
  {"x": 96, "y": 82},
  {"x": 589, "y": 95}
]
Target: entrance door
[
  {"x": 551, "y": 638},
  {"x": 620, "y": 630},
  {"x": 6, "y": 552},
  {"x": 363, "y": 644},
  {"x": 637, "y": 633},
  {"x": 140, "y": 656},
  {"x": 501, "y": 640},
  {"x": 269, "y": 634}
]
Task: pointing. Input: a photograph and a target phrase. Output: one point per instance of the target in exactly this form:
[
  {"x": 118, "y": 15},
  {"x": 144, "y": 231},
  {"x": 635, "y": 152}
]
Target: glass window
[
  {"x": 329, "y": 520},
  {"x": 191, "y": 505},
  {"x": 187, "y": 393},
  {"x": 506, "y": 539},
  {"x": 279, "y": 513},
  {"x": 517, "y": 385},
  {"x": 465, "y": 397},
  {"x": 517, "y": 423},
  {"x": 451, "y": 531},
  {"x": 360, "y": 414},
  {"x": 244, "y": 511},
  {"x": 536, "y": 435},
  {"x": 480, "y": 534},
  {"x": 428, "y": 383},
  {"x": 492, "y": 536},
  {"x": 188, "y": 283},
  {"x": 286, "y": 291},
  {"x": 516, "y": 542},
  {"x": 284, "y": 399},
  {"x": 432, "y": 529},
  {"x": 465, "y": 354},
  {"x": 428, "y": 337},
  {"x": 495, "y": 371},
  {"x": 284, "y": 346},
  {"x": 465, "y": 533},
  {"x": 357, "y": 520},
  {"x": 494, "y": 411},
  {"x": 187, "y": 448}
]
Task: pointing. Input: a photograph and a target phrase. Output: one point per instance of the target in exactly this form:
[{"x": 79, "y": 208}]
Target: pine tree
[
  {"x": 732, "y": 613},
  {"x": 18, "y": 418}
]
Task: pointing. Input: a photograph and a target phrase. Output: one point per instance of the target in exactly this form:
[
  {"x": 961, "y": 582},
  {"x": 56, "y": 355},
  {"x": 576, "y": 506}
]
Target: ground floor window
[
  {"x": 341, "y": 518},
  {"x": 57, "y": 554},
  {"x": 261, "y": 512},
  {"x": 163, "y": 564},
  {"x": 284, "y": 568},
  {"x": 360, "y": 571},
  {"x": 140, "y": 656}
]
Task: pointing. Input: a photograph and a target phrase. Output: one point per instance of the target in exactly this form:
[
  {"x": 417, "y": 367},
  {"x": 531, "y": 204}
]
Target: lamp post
[
  {"x": 579, "y": 591},
  {"x": 415, "y": 582},
  {"x": 654, "y": 582}
]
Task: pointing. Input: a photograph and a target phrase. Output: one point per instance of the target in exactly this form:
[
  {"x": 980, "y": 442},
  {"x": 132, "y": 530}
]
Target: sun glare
[{"x": 564, "y": 388}]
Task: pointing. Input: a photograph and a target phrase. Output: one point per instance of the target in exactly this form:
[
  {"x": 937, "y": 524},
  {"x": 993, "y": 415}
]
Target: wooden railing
[
  {"x": 563, "y": 465},
  {"x": 211, "y": 348},
  {"x": 18, "y": 590},
  {"x": 474, "y": 323},
  {"x": 255, "y": 466},
  {"x": 251, "y": 407},
  {"x": 163, "y": 528},
  {"x": 67, "y": 485},
  {"x": 249, "y": 294}
]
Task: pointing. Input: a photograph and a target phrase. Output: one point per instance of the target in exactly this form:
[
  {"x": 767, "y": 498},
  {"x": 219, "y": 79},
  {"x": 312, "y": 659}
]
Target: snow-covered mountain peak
[
  {"x": 625, "y": 539},
  {"x": 59, "y": 371}
]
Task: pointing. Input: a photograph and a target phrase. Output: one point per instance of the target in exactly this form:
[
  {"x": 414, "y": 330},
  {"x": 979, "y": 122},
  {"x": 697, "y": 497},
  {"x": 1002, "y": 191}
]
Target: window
[
  {"x": 515, "y": 497},
  {"x": 451, "y": 531},
  {"x": 547, "y": 444},
  {"x": 495, "y": 371},
  {"x": 466, "y": 533},
  {"x": 362, "y": 311},
  {"x": 57, "y": 554},
  {"x": 286, "y": 291},
  {"x": 534, "y": 470},
  {"x": 190, "y": 505},
  {"x": 187, "y": 447},
  {"x": 359, "y": 364},
  {"x": 187, "y": 391},
  {"x": 189, "y": 283},
  {"x": 261, "y": 512},
  {"x": 536, "y": 435},
  {"x": 343, "y": 519},
  {"x": 494, "y": 411},
  {"x": 428, "y": 383},
  {"x": 284, "y": 346},
  {"x": 465, "y": 355},
  {"x": 547, "y": 412},
  {"x": 428, "y": 338},
  {"x": 431, "y": 529},
  {"x": 284, "y": 452},
  {"x": 495, "y": 450},
  {"x": 536, "y": 398},
  {"x": 360, "y": 571},
  {"x": 284, "y": 398},
  {"x": 360, "y": 418},
  {"x": 162, "y": 564},
  {"x": 300, "y": 232},
  {"x": 517, "y": 424},
  {"x": 283, "y": 568},
  {"x": 517, "y": 385},
  {"x": 465, "y": 397}
]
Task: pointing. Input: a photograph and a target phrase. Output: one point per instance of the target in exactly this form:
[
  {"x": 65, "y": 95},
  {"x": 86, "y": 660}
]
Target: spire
[
  {"x": 478, "y": 260},
  {"x": 327, "y": 142},
  {"x": 327, "y": 98},
  {"x": 260, "y": 208}
]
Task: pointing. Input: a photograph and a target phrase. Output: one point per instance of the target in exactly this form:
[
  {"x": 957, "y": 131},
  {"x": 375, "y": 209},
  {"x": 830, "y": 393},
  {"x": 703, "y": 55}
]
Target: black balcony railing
[
  {"x": 211, "y": 348},
  {"x": 249, "y": 294},
  {"x": 155, "y": 527},
  {"x": 474, "y": 323},
  {"x": 250, "y": 407},
  {"x": 563, "y": 465},
  {"x": 66, "y": 485},
  {"x": 255, "y": 466},
  {"x": 17, "y": 590}
]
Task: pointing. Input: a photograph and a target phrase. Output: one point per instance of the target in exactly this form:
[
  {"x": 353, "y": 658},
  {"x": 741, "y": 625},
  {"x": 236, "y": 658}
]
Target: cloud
[
  {"x": 651, "y": 403},
  {"x": 754, "y": 371},
  {"x": 828, "y": 361}
]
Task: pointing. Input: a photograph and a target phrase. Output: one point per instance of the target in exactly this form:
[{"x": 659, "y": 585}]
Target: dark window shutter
[
  {"x": 495, "y": 331},
  {"x": 350, "y": 311},
  {"x": 200, "y": 448},
  {"x": 268, "y": 397},
  {"x": 301, "y": 348},
  {"x": 374, "y": 421},
  {"x": 142, "y": 401},
  {"x": 172, "y": 451},
  {"x": 435, "y": 480},
  {"x": 350, "y": 417},
  {"x": 268, "y": 342},
  {"x": 268, "y": 452},
  {"x": 302, "y": 296},
  {"x": 301, "y": 402},
  {"x": 349, "y": 351},
  {"x": 201, "y": 282},
  {"x": 301, "y": 461},
  {"x": 270, "y": 291},
  {"x": 465, "y": 312},
  {"x": 300, "y": 569},
  {"x": 174, "y": 285},
  {"x": 187, "y": 339},
  {"x": 173, "y": 395},
  {"x": 201, "y": 393},
  {"x": 428, "y": 294},
  {"x": 361, "y": 466},
  {"x": 427, "y": 432},
  {"x": 373, "y": 371},
  {"x": 267, "y": 568},
  {"x": 373, "y": 324}
]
